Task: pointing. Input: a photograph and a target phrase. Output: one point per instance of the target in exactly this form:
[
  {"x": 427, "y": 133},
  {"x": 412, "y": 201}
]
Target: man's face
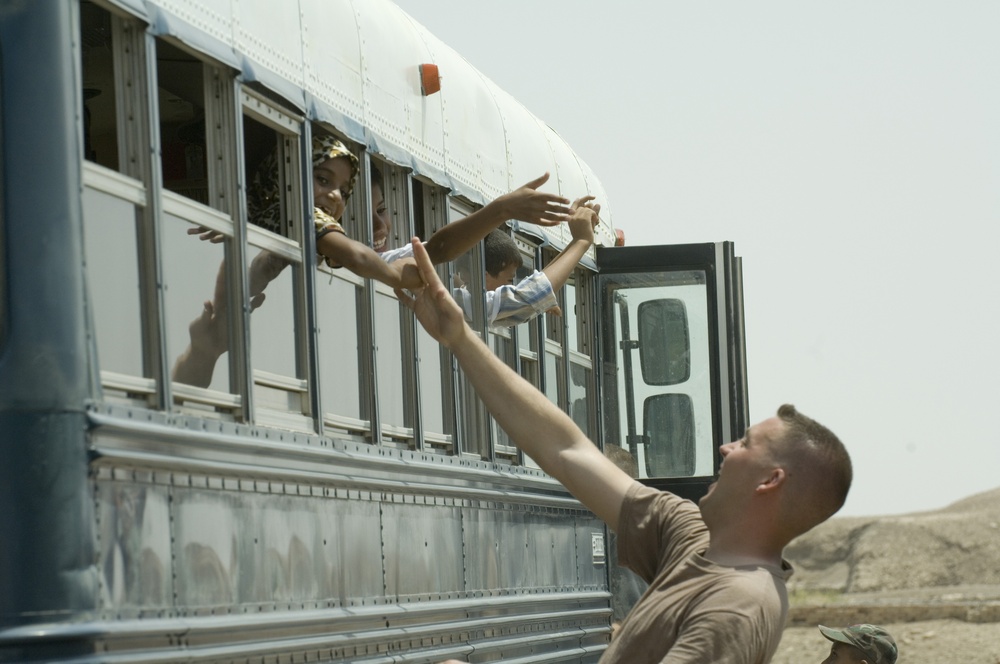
[
  {"x": 841, "y": 653},
  {"x": 746, "y": 463}
]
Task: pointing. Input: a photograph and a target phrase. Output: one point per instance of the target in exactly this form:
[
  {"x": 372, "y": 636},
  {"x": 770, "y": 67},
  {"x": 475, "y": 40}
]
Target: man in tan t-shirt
[{"x": 716, "y": 574}]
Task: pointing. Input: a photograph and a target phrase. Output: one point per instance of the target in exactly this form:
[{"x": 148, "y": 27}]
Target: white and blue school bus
[{"x": 333, "y": 491}]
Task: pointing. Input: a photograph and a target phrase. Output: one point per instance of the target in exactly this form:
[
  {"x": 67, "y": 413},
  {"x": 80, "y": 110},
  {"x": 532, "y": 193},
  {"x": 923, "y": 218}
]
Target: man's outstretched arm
[{"x": 534, "y": 423}]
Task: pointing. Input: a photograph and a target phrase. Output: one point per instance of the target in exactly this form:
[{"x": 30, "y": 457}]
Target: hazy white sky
[{"x": 850, "y": 149}]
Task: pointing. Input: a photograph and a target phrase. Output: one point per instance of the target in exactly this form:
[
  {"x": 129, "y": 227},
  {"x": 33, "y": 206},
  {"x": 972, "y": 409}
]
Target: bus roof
[{"x": 355, "y": 65}]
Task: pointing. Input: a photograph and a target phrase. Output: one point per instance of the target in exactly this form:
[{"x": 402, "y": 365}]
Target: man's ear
[{"x": 773, "y": 481}]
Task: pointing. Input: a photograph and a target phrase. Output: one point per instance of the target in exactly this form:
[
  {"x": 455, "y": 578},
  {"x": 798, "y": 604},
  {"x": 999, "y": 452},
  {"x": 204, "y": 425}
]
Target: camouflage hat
[{"x": 877, "y": 644}]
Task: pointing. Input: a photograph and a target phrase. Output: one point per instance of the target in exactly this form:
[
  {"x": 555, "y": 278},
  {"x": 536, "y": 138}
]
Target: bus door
[
  {"x": 673, "y": 365},
  {"x": 672, "y": 373}
]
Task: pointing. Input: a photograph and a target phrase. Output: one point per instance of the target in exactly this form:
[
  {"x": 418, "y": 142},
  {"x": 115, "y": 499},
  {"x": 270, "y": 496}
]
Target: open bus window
[
  {"x": 274, "y": 263},
  {"x": 100, "y": 117},
  {"x": 340, "y": 304},
  {"x": 181, "y": 80},
  {"x": 268, "y": 170}
]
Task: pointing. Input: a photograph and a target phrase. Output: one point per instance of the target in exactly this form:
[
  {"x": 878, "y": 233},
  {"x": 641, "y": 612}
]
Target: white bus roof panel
[{"x": 354, "y": 64}]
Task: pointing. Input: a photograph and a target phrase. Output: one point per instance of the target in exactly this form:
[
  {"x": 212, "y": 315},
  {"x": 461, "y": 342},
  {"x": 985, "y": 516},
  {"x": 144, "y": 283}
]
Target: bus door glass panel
[
  {"x": 196, "y": 304},
  {"x": 111, "y": 211},
  {"x": 662, "y": 372},
  {"x": 181, "y": 81}
]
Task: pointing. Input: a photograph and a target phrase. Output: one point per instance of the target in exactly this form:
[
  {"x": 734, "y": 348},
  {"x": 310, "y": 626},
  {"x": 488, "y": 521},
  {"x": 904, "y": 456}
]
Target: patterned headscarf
[
  {"x": 328, "y": 147},
  {"x": 263, "y": 197}
]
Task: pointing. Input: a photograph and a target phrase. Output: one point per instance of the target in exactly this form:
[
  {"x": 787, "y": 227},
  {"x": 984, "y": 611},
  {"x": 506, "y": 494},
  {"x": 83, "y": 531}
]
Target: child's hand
[
  {"x": 526, "y": 203},
  {"x": 585, "y": 217},
  {"x": 407, "y": 273}
]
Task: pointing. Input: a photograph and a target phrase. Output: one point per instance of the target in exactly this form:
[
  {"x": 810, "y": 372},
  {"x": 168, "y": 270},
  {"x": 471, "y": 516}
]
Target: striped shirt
[{"x": 507, "y": 306}]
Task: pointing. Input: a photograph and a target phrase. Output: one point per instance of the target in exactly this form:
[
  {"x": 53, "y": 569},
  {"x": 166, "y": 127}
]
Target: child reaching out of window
[{"x": 509, "y": 304}]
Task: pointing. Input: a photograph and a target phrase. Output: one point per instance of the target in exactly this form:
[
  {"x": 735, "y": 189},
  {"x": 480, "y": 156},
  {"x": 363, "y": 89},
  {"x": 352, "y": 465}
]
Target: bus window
[
  {"x": 274, "y": 277},
  {"x": 580, "y": 386},
  {"x": 115, "y": 213},
  {"x": 468, "y": 279},
  {"x": 196, "y": 308},
  {"x": 554, "y": 360},
  {"x": 100, "y": 115},
  {"x": 181, "y": 81},
  {"x": 385, "y": 224},
  {"x": 527, "y": 343},
  {"x": 201, "y": 311},
  {"x": 434, "y": 362},
  {"x": 345, "y": 390}
]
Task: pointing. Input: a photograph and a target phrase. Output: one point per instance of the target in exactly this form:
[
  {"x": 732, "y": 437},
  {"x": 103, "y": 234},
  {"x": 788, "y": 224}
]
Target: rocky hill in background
[
  {"x": 921, "y": 566},
  {"x": 931, "y": 578},
  {"x": 955, "y": 546}
]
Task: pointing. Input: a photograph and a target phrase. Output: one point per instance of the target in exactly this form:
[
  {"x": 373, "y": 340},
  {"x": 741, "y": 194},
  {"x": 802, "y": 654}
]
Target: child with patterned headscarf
[{"x": 330, "y": 158}]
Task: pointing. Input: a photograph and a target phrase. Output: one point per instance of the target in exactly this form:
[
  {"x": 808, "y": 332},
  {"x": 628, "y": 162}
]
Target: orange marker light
[{"x": 430, "y": 80}]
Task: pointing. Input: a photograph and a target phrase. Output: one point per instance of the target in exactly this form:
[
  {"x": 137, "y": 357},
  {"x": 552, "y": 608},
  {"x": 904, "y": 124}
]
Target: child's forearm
[
  {"x": 358, "y": 258},
  {"x": 561, "y": 267},
  {"x": 458, "y": 237}
]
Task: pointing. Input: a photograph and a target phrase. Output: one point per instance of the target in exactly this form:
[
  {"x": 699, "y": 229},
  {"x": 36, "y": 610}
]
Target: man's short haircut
[
  {"x": 818, "y": 470},
  {"x": 500, "y": 251},
  {"x": 377, "y": 177}
]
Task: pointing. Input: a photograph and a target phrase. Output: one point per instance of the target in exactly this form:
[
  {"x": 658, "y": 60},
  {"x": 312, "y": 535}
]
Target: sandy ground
[{"x": 934, "y": 641}]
